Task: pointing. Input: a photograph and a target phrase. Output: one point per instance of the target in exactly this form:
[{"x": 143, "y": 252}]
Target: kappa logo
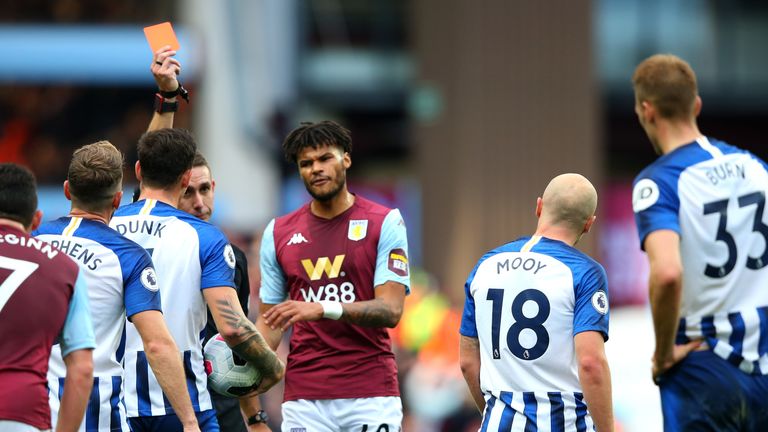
[
  {"x": 149, "y": 279},
  {"x": 297, "y": 238},
  {"x": 323, "y": 265}
]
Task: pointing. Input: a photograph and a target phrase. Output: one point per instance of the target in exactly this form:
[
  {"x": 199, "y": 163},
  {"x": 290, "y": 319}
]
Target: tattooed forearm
[
  {"x": 373, "y": 313},
  {"x": 252, "y": 346},
  {"x": 257, "y": 352}
]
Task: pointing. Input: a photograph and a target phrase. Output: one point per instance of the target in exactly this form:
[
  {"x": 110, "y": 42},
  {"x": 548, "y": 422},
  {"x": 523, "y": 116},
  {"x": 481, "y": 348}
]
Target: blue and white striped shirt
[
  {"x": 119, "y": 276},
  {"x": 189, "y": 255},
  {"x": 525, "y": 301},
  {"x": 713, "y": 195}
]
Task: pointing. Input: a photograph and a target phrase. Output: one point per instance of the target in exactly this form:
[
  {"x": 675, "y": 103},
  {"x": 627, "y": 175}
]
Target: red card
[{"x": 161, "y": 35}]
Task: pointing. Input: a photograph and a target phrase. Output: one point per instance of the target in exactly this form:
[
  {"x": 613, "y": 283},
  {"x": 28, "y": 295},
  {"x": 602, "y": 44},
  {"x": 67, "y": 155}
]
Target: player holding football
[
  {"x": 337, "y": 271},
  {"x": 535, "y": 323},
  {"x": 121, "y": 283},
  {"x": 699, "y": 212},
  {"x": 195, "y": 267},
  {"x": 43, "y": 300}
]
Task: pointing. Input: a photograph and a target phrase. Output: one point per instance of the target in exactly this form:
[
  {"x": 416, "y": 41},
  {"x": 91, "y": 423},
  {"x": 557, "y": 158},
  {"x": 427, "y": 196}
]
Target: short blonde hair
[
  {"x": 668, "y": 83},
  {"x": 95, "y": 174}
]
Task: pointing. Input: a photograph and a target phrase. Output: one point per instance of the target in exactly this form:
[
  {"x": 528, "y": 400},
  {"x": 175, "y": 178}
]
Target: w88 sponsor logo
[{"x": 344, "y": 293}]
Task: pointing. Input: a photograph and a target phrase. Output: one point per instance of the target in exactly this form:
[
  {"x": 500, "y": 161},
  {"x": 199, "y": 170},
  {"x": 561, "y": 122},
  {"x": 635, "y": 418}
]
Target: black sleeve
[{"x": 242, "y": 283}]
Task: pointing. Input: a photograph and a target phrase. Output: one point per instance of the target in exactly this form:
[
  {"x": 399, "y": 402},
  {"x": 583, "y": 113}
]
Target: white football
[{"x": 228, "y": 373}]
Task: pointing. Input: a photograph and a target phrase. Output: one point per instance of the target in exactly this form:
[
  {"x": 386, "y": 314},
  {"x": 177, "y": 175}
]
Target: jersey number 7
[
  {"x": 20, "y": 271},
  {"x": 522, "y": 322}
]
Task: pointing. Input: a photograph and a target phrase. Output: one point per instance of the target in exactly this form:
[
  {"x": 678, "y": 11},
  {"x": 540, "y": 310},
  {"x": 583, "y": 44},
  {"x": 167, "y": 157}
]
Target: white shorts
[
  {"x": 374, "y": 414},
  {"x": 13, "y": 426}
]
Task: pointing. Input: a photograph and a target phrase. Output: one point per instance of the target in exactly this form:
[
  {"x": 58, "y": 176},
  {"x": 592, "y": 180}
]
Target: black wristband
[
  {"x": 259, "y": 417},
  {"x": 163, "y": 106},
  {"x": 180, "y": 91}
]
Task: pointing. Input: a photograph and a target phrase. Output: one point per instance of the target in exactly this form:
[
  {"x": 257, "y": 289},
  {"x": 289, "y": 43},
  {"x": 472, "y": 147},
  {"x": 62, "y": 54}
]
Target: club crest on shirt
[
  {"x": 149, "y": 279},
  {"x": 600, "y": 302},
  {"x": 398, "y": 262},
  {"x": 229, "y": 256},
  {"x": 357, "y": 229}
]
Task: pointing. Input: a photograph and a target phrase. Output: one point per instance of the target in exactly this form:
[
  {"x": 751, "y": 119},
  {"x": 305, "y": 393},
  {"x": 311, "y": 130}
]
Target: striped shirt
[
  {"x": 525, "y": 301},
  {"x": 189, "y": 255},
  {"x": 713, "y": 195},
  {"x": 121, "y": 282}
]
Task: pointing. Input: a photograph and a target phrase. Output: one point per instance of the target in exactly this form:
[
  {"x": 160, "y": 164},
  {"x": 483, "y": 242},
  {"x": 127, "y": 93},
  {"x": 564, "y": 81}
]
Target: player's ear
[
  {"x": 37, "y": 217},
  {"x": 137, "y": 171},
  {"x": 213, "y": 185},
  {"x": 538, "y": 207},
  {"x": 697, "y": 106},
  {"x": 648, "y": 111},
  {"x": 588, "y": 224},
  {"x": 346, "y": 160},
  {"x": 117, "y": 199},
  {"x": 185, "y": 178},
  {"x": 66, "y": 190}
]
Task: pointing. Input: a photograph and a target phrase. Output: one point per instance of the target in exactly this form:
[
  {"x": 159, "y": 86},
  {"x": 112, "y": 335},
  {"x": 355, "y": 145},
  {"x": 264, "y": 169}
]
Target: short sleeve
[
  {"x": 272, "y": 289},
  {"x": 656, "y": 206},
  {"x": 77, "y": 332},
  {"x": 142, "y": 291},
  {"x": 591, "y": 309},
  {"x": 468, "y": 325},
  {"x": 217, "y": 260},
  {"x": 392, "y": 252}
]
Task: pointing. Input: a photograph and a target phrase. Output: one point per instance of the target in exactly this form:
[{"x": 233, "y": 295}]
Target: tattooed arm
[
  {"x": 383, "y": 311},
  {"x": 242, "y": 336}
]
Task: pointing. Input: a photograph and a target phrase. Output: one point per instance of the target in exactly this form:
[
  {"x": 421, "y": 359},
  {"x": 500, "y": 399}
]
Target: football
[{"x": 228, "y": 373}]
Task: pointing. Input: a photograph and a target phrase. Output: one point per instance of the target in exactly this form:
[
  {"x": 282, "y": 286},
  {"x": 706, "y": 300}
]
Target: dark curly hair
[{"x": 313, "y": 135}]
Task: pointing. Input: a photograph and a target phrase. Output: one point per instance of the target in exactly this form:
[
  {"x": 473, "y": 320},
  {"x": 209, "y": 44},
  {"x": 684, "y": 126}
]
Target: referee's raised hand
[{"x": 165, "y": 68}]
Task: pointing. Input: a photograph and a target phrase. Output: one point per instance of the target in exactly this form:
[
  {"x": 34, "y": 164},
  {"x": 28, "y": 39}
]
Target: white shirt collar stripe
[{"x": 708, "y": 147}]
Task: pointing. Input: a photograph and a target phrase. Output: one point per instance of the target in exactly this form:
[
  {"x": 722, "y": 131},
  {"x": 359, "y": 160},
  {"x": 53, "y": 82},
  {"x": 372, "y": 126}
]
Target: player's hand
[
  {"x": 165, "y": 69},
  {"x": 287, "y": 313},
  {"x": 679, "y": 352}
]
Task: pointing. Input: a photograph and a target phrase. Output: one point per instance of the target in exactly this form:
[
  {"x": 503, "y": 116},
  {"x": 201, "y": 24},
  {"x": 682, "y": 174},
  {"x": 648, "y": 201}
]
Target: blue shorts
[
  {"x": 706, "y": 393},
  {"x": 171, "y": 423}
]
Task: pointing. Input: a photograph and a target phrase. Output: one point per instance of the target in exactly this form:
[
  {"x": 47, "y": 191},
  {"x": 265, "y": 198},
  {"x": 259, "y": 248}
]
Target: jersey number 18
[{"x": 522, "y": 322}]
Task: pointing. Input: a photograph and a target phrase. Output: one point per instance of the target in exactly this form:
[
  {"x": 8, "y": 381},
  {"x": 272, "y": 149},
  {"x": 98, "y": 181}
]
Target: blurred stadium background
[{"x": 460, "y": 113}]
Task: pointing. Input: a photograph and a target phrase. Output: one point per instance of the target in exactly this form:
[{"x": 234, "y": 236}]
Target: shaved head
[{"x": 569, "y": 201}]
